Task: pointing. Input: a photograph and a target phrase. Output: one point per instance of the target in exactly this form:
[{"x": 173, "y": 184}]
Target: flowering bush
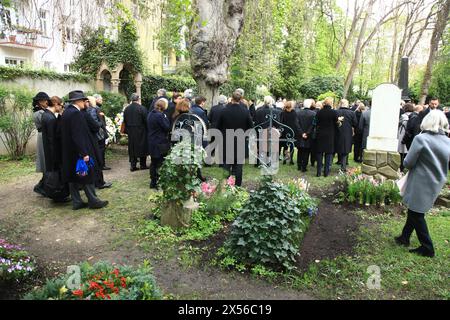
[
  {"x": 102, "y": 281},
  {"x": 367, "y": 190},
  {"x": 112, "y": 131},
  {"x": 15, "y": 263}
]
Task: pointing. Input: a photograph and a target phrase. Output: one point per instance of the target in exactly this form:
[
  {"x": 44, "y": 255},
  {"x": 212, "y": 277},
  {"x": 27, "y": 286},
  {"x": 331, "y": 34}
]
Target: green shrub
[
  {"x": 269, "y": 228},
  {"x": 102, "y": 281},
  {"x": 319, "y": 85},
  {"x": 152, "y": 83},
  {"x": 12, "y": 73},
  {"x": 16, "y": 120},
  {"x": 113, "y": 103}
]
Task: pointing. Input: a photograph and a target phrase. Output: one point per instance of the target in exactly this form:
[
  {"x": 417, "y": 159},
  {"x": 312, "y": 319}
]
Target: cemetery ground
[{"x": 341, "y": 242}]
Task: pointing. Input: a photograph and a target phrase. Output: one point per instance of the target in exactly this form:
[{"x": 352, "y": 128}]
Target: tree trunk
[
  {"x": 441, "y": 22},
  {"x": 358, "y": 50},
  {"x": 214, "y": 33}
]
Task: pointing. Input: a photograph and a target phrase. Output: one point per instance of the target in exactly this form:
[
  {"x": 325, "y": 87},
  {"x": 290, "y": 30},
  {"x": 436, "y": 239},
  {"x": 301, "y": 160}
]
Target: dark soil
[{"x": 332, "y": 233}]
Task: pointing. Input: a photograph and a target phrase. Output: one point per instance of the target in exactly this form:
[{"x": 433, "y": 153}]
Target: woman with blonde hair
[{"x": 427, "y": 162}]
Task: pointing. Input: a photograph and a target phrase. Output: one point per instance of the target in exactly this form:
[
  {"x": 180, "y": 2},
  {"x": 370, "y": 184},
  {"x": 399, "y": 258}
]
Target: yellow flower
[{"x": 63, "y": 290}]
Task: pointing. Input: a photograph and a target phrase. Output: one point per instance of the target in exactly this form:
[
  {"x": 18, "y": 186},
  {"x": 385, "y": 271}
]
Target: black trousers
[
  {"x": 328, "y": 163},
  {"x": 154, "y": 168},
  {"x": 402, "y": 158},
  {"x": 358, "y": 150},
  {"x": 416, "y": 221},
  {"x": 237, "y": 171},
  {"x": 102, "y": 147},
  {"x": 344, "y": 161},
  {"x": 99, "y": 178},
  {"x": 142, "y": 161},
  {"x": 89, "y": 190},
  {"x": 303, "y": 158}
]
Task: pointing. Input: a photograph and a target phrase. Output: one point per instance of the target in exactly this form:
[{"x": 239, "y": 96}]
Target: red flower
[
  {"x": 116, "y": 272},
  {"x": 109, "y": 284},
  {"x": 123, "y": 282},
  {"x": 78, "y": 293}
]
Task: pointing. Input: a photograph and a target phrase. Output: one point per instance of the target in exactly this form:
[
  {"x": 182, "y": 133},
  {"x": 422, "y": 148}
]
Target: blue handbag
[{"x": 82, "y": 168}]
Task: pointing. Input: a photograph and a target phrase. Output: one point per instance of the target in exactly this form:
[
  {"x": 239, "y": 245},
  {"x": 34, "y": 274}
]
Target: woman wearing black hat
[{"x": 40, "y": 104}]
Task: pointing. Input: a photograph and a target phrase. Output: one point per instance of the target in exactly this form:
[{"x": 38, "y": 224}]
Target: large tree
[
  {"x": 441, "y": 24},
  {"x": 215, "y": 30}
]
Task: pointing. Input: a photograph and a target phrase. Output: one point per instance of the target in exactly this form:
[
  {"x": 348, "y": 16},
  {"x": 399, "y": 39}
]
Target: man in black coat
[
  {"x": 101, "y": 116},
  {"x": 77, "y": 144},
  {"x": 135, "y": 120},
  {"x": 214, "y": 114},
  {"x": 327, "y": 121},
  {"x": 345, "y": 133},
  {"x": 305, "y": 121},
  {"x": 234, "y": 117}
]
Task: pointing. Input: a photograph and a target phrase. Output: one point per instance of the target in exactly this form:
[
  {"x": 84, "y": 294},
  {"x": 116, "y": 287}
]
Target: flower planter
[{"x": 178, "y": 216}]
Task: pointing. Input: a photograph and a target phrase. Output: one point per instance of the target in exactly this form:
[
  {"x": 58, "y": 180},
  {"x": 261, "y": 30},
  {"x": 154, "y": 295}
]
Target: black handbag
[{"x": 54, "y": 187}]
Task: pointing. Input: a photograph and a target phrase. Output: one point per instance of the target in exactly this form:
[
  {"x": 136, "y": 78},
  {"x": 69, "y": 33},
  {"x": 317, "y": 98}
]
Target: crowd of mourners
[{"x": 72, "y": 136}]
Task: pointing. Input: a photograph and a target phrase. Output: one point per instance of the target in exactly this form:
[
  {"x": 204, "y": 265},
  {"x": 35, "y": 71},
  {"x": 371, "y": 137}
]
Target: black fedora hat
[{"x": 76, "y": 96}]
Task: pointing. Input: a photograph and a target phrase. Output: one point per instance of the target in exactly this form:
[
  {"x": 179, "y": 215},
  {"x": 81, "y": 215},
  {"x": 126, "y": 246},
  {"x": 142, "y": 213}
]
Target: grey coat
[
  {"x": 364, "y": 127},
  {"x": 427, "y": 162},
  {"x": 40, "y": 156}
]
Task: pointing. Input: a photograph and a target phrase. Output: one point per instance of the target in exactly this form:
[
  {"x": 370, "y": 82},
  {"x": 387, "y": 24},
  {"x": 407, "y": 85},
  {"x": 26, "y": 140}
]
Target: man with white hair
[
  {"x": 102, "y": 117},
  {"x": 304, "y": 142},
  {"x": 161, "y": 94},
  {"x": 214, "y": 114}
]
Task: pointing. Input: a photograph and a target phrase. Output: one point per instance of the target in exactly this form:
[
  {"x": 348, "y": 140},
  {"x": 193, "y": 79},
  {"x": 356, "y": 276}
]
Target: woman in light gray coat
[
  {"x": 40, "y": 103},
  {"x": 427, "y": 162}
]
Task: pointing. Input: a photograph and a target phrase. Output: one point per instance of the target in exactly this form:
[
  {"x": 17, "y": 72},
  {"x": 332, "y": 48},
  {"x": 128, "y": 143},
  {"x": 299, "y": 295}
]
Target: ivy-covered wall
[{"x": 13, "y": 73}]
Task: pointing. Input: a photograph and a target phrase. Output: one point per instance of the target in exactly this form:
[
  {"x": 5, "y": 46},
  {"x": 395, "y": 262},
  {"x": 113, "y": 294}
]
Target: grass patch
[{"x": 11, "y": 170}]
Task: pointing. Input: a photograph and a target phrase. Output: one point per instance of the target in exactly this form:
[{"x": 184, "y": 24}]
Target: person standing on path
[
  {"x": 427, "y": 161},
  {"x": 135, "y": 120},
  {"x": 101, "y": 115},
  {"x": 78, "y": 144},
  {"x": 327, "y": 122},
  {"x": 346, "y": 131}
]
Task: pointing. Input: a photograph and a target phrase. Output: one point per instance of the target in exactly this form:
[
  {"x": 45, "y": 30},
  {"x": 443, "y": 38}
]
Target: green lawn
[{"x": 10, "y": 170}]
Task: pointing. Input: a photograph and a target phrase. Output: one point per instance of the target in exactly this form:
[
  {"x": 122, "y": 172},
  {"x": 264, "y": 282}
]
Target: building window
[
  {"x": 43, "y": 18},
  {"x": 70, "y": 34},
  {"x": 47, "y": 65},
  {"x": 67, "y": 68},
  {"x": 14, "y": 62},
  {"x": 166, "y": 61}
]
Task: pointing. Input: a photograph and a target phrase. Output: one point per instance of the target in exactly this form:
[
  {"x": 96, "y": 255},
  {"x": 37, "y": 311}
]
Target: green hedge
[
  {"x": 113, "y": 103},
  {"x": 12, "y": 73},
  {"x": 318, "y": 85},
  {"x": 153, "y": 83}
]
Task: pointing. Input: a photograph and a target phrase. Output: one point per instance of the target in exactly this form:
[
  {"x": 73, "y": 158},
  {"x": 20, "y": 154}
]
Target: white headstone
[{"x": 384, "y": 118}]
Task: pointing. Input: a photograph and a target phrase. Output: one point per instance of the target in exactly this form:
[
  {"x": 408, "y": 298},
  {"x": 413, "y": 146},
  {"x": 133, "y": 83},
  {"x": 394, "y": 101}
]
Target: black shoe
[
  {"x": 80, "y": 206},
  {"x": 401, "y": 241},
  {"x": 154, "y": 187},
  {"x": 107, "y": 185},
  {"x": 65, "y": 200},
  {"x": 133, "y": 169},
  {"x": 39, "y": 191},
  {"x": 144, "y": 168},
  {"x": 105, "y": 168},
  {"x": 98, "y": 205},
  {"x": 421, "y": 251}
]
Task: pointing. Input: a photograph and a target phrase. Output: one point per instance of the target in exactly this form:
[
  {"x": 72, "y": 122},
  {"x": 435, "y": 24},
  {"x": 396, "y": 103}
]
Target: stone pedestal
[{"x": 381, "y": 163}]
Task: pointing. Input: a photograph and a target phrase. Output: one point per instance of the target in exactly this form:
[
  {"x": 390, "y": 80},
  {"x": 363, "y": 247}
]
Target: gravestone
[{"x": 381, "y": 157}]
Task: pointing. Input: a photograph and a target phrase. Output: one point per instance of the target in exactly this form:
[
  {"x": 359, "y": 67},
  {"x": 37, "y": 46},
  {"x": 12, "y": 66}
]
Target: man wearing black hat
[
  {"x": 40, "y": 103},
  {"x": 78, "y": 143}
]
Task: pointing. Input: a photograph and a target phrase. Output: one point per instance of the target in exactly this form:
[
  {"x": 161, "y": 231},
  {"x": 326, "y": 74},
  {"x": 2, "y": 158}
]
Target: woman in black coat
[
  {"x": 289, "y": 119},
  {"x": 348, "y": 123},
  {"x": 327, "y": 122},
  {"x": 158, "y": 126},
  {"x": 358, "y": 137}
]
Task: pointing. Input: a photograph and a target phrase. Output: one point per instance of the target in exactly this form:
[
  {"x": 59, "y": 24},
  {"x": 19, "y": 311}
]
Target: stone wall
[
  {"x": 51, "y": 87},
  {"x": 381, "y": 163}
]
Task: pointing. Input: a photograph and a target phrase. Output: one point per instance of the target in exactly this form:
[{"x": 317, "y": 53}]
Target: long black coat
[
  {"x": 77, "y": 141},
  {"x": 158, "y": 126},
  {"x": 345, "y": 132},
  {"x": 289, "y": 119},
  {"x": 51, "y": 138},
  {"x": 364, "y": 127},
  {"x": 326, "y": 130},
  {"x": 262, "y": 116},
  {"x": 94, "y": 128},
  {"x": 234, "y": 117},
  {"x": 135, "y": 120},
  {"x": 214, "y": 114},
  {"x": 305, "y": 122}
]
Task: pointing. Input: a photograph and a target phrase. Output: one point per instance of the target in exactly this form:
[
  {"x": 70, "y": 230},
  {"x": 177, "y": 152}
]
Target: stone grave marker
[{"x": 381, "y": 157}]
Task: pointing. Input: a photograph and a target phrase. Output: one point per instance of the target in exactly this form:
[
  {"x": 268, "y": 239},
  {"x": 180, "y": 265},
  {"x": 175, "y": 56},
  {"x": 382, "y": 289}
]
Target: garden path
[{"x": 59, "y": 237}]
